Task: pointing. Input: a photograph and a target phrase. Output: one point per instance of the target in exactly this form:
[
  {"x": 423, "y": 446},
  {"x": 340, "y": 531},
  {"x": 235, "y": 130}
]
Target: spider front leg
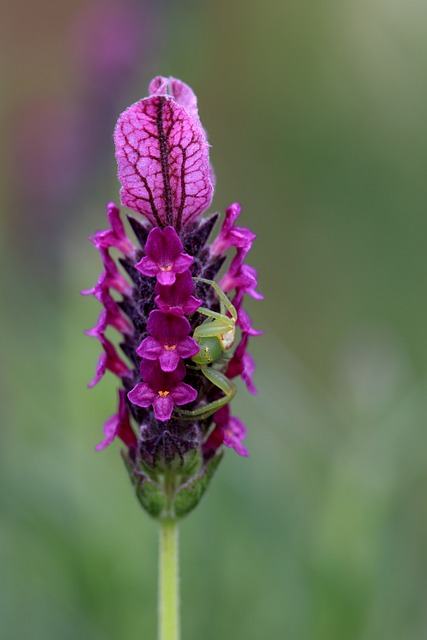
[
  {"x": 225, "y": 302},
  {"x": 220, "y": 381}
]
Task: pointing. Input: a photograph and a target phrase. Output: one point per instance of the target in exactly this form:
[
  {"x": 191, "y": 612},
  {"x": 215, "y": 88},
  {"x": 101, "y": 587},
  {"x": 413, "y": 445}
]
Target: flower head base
[{"x": 178, "y": 327}]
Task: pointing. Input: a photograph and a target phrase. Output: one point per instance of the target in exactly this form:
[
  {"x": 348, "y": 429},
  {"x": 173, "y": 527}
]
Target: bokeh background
[{"x": 316, "y": 112}]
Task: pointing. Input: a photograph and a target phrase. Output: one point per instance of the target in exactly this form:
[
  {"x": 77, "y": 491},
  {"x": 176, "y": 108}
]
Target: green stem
[{"x": 168, "y": 582}]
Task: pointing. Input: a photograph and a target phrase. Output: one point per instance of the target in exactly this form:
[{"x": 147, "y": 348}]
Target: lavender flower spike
[{"x": 183, "y": 337}]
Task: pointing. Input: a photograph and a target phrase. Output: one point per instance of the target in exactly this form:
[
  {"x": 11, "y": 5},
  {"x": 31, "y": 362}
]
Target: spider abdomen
[{"x": 210, "y": 350}]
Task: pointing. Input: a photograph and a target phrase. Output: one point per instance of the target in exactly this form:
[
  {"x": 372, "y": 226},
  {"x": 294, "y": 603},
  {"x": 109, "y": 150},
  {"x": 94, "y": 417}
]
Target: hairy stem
[{"x": 168, "y": 582}]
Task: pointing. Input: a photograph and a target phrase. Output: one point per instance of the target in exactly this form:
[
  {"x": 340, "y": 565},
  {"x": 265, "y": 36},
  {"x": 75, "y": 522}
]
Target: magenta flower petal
[
  {"x": 231, "y": 236},
  {"x": 116, "y": 236},
  {"x": 166, "y": 328},
  {"x": 234, "y": 433},
  {"x": 243, "y": 279},
  {"x": 163, "y": 245},
  {"x": 245, "y": 323},
  {"x": 163, "y": 162},
  {"x": 158, "y": 379},
  {"x": 150, "y": 349},
  {"x": 182, "y": 263},
  {"x": 187, "y": 347},
  {"x": 183, "y": 393},
  {"x": 169, "y": 360},
  {"x": 166, "y": 277},
  {"x": 108, "y": 361},
  {"x": 233, "y": 430},
  {"x": 249, "y": 367},
  {"x": 111, "y": 278},
  {"x": 110, "y": 428},
  {"x": 113, "y": 315},
  {"x": 177, "y": 299},
  {"x": 119, "y": 426},
  {"x": 163, "y": 407},
  {"x": 142, "y": 395},
  {"x": 147, "y": 267},
  {"x": 242, "y": 364}
]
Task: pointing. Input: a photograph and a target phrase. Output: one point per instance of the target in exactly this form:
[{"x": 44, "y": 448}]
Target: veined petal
[
  {"x": 181, "y": 92},
  {"x": 163, "y": 162}
]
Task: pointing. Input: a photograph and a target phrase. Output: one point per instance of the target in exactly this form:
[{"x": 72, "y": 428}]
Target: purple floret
[
  {"x": 177, "y": 298},
  {"x": 119, "y": 426},
  {"x": 231, "y": 236},
  {"x": 161, "y": 390},
  {"x": 164, "y": 257},
  {"x": 233, "y": 430},
  {"x": 115, "y": 236},
  {"x": 168, "y": 341}
]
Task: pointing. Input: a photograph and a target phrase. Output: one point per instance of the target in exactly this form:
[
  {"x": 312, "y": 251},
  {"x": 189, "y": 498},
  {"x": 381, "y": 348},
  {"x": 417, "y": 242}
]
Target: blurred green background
[{"x": 316, "y": 112}]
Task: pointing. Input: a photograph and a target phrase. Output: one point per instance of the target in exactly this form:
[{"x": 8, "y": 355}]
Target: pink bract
[{"x": 163, "y": 159}]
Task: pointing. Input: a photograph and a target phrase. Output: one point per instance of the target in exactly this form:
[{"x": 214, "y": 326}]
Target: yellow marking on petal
[
  {"x": 168, "y": 268},
  {"x": 163, "y": 394},
  {"x": 169, "y": 347}
]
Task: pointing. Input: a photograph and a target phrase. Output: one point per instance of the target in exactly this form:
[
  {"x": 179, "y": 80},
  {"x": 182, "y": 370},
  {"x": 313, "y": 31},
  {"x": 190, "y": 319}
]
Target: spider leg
[
  {"x": 224, "y": 300},
  {"x": 221, "y": 324},
  {"x": 220, "y": 381}
]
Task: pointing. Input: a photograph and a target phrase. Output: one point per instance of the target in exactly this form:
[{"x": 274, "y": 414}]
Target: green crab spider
[{"x": 215, "y": 336}]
